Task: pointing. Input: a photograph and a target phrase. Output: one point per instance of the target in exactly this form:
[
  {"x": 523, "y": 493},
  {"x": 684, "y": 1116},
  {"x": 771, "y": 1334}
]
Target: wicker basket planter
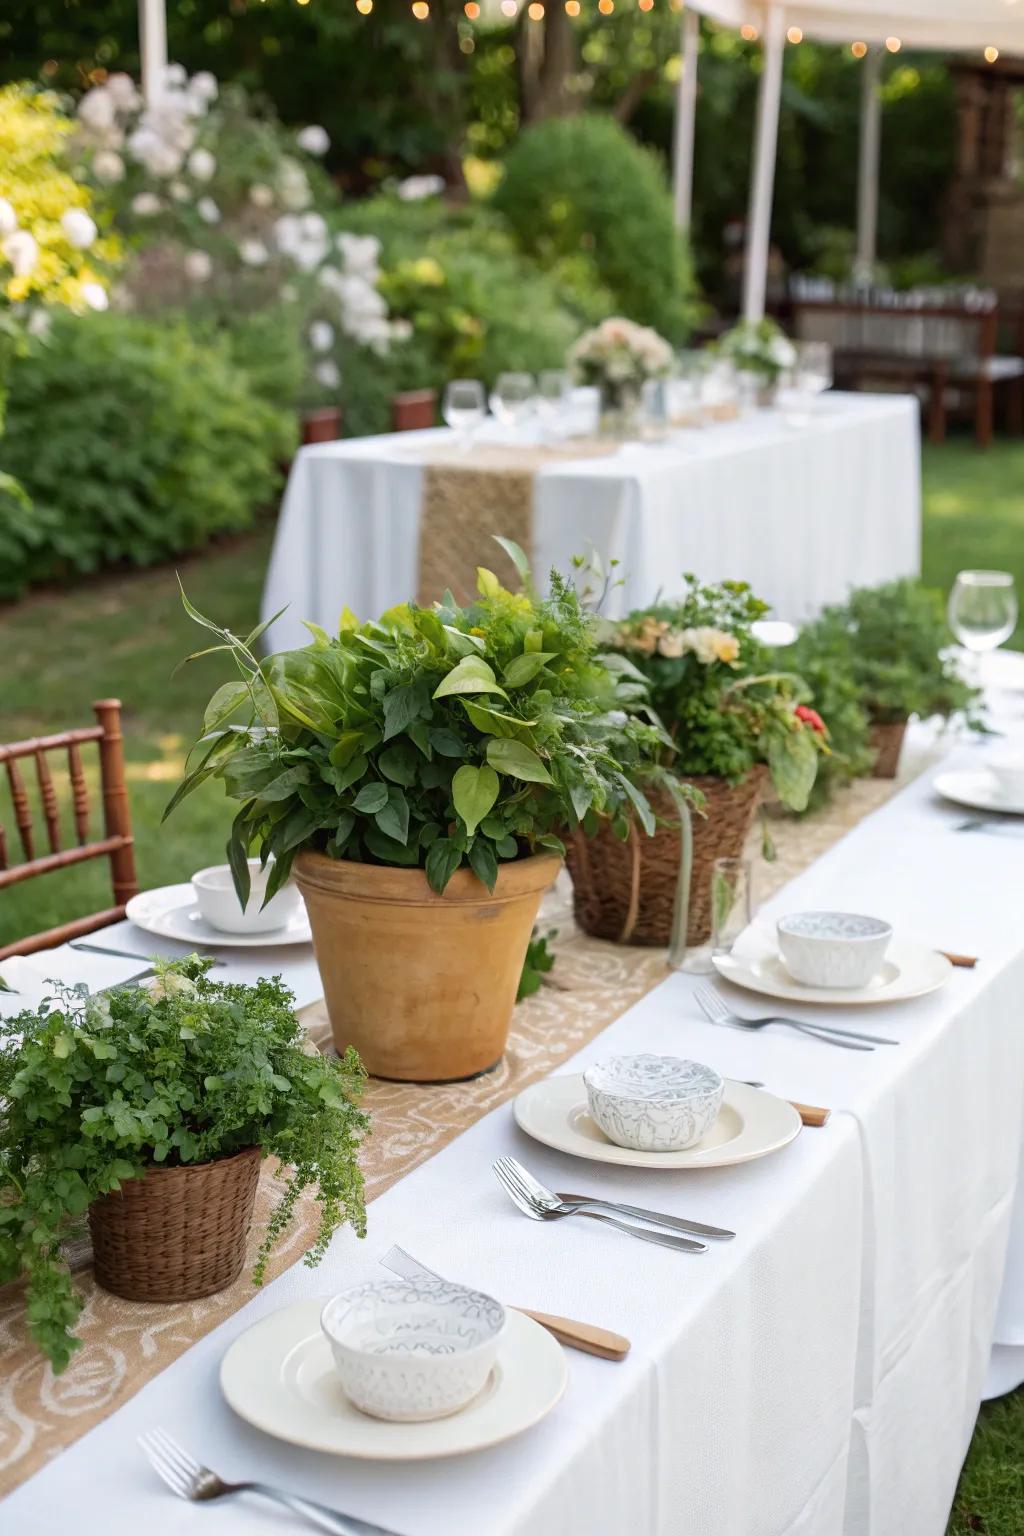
[
  {"x": 177, "y": 1233},
  {"x": 626, "y": 892},
  {"x": 887, "y": 743}
]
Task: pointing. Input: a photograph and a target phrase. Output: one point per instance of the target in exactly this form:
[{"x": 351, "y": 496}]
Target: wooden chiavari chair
[{"x": 117, "y": 844}]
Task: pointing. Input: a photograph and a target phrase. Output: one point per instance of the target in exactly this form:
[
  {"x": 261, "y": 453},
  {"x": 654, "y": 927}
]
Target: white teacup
[
  {"x": 1007, "y": 768},
  {"x": 220, "y": 906}
]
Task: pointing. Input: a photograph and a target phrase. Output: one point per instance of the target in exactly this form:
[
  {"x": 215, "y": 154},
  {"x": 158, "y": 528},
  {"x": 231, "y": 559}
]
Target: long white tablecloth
[
  {"x": 801, "y": 513},
  {"x": 819, "y": 1375}
]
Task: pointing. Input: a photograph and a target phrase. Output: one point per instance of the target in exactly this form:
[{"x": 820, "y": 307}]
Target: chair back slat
[{"x": 117, "y": 845}]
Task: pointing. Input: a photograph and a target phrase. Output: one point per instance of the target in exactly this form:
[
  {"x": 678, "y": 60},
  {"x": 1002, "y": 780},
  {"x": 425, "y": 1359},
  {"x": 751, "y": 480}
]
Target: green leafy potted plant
[
  {"x": 892, "y": 640},
  {"x": 761, "y": 352},
  {"x": 836, "y": 696},
  {"x": 419, "y": 771},
  {"x": 732, "y": 720},
  {"x": 150, "y": 1108}
]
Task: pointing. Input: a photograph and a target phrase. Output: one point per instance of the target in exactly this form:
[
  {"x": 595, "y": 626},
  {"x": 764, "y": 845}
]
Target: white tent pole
[
  {"x": 759, "y": 212},
  {"x": 153, "y": 47},
  {"x": 686, "y": 108},
  {"x": 867, "y": 170}
]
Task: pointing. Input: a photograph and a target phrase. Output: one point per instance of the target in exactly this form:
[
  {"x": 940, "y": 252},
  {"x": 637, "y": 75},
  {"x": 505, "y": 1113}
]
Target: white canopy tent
[{"x": 985, "y": 27}]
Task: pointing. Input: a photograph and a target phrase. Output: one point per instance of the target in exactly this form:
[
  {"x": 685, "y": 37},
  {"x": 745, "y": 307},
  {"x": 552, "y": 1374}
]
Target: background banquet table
[
  {"x": 820, "y": 1374},
  {"x": 802, "y": 513}
]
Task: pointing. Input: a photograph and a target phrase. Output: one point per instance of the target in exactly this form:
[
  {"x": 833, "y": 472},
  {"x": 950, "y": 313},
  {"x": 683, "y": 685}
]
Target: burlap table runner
[
  {"x": 469, "y": 497},
  {"x": 127, "y": 1343}
]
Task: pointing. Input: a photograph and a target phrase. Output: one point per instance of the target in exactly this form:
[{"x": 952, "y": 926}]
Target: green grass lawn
[{"x": 123, "y": 636}]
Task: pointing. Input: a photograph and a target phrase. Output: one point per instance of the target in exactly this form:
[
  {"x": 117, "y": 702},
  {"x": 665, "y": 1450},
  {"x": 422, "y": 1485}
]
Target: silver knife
[{"x": 655, "y": 1218}]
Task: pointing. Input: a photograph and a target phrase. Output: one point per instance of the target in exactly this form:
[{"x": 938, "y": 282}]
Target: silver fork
[
  {"x": 185, "y": 1477},
  {"x": 549, "y": 1200},
  {"x": 521, "y": 1197},
  {"x": 715, "y": 1009}
]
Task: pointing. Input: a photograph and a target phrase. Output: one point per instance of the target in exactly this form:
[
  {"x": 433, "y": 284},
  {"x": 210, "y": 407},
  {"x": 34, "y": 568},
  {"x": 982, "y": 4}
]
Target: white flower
[
  {"x": 145, "y": 204},
  {"x": 198, "y": 266},
  {"x": 293, "y": 185},
  {"x": 361, "y": 254},
  {"x": 174, "y": 74},
  {"x": 254, "y": 253},
  {"x": 208, "y": 211},
  {"x": 672, "y": 644},
  {"x": 98, "y": 109},
  {"x": 203, "y": 85},
  {"x": 401, "y": 330},
  {"x": 39, "y": 324},
  {"x": 202, "y": 164},
  {"x": 21, "y": 251},
  {"x": 782, "y": 352},
  {"x": 8, "y": 218},
  {"x": 123, "y": 90},
  {"x": 95, "y": 295},
  {"x": 108, "y": 167},
  {"x": 260, "y": 195},
  {"x": 171, "y": 984},
  {"x": 180, "y": 191},
  {"x": 327, "y": 374},
  {"x": 414, "y": 188},
  {"x": 321, "y": 336},
  {"x": 314, "y": 139},
  {"x": 149, "y": 148},
  {"x": 79, "y": 228}
]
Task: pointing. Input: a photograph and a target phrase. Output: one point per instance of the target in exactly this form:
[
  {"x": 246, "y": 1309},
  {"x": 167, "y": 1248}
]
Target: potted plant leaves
[
  {"x": 417, "y": 772},
  {"x": 893, "y": 642},
  {"x": 734, "y": 721},
  {"x": 149, "y": 1109}
]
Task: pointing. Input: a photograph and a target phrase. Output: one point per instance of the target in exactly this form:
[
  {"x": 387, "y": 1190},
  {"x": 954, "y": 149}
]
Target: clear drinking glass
[
  {"x": 732, "y": 905},
  {"x": 464, "y": 407},
  {"x": 552, "y": 398},
  {"x": 813, "y": 371},
  {"x": 513, "y": 397},
  {"x": 982, "y": 612}
]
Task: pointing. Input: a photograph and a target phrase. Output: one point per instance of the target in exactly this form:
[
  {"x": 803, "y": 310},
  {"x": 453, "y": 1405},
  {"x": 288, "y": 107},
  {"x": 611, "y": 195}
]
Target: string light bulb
[
  {"x": 364, "y": 7},
  {"x": 795, "y": 35},
  {"x": 858, "y": 50},
  {"x": 893, "y": 44},
  {"x": 466, "y": 44},
  {"x": 748, "y": 33},
  {"x": 645, "y": 5},
  {"x": 572, "y": 7},
  {"x": 535, "y": 11},
  {"x": 420, "y": 9},
  {"x": 991, "y": 54},
  {"x": 606, "y": 7},
  {"x": 471, "y": 9},
  {"x": 509, "y": 8}
]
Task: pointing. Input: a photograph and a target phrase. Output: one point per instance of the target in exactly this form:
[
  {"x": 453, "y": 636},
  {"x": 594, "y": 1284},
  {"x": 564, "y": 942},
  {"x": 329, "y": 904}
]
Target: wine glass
[
  {"x": 552, "y": 398},
  {"x": 982, "y": 612},
  {"x": 464, "y": 407},
  {"x": 512, "y": 397}
]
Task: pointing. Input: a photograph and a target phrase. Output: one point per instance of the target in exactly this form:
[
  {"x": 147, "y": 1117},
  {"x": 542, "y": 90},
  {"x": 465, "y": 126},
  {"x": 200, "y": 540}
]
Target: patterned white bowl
[
  {"x": 412, "y": 1349},
  {"x": 833, "y": 949},
  {"x": 653, "y": 1103}
]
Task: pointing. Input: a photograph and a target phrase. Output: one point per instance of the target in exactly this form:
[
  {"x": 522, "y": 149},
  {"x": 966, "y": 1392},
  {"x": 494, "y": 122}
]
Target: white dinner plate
[
  {"x": 279, "y": 1375},
  {"x": 751, "y": 1123},
  {"x": 908, "y": 970},
  {"x": 978, "y": 789},
  {"x": 173, "y": 912}
]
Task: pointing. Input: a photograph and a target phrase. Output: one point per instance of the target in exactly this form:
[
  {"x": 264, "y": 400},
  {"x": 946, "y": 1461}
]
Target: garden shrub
[
  {"x": 582, "y": 188},
  {"x": 134, "y": 442}
]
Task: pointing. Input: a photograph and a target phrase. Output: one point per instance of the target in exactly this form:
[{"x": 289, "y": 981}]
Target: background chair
[{"x": 116, "y": 844}]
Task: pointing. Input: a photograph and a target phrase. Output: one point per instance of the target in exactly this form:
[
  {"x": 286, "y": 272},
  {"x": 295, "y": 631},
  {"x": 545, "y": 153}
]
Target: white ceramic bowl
[
  {"x": 833, "y": 949},
  {"x": 1007, "y": 768},
  {"x": 412, "y": 1349},
  {"x": 220, "y": 906},
  {"x": 653, "y": 1103}
]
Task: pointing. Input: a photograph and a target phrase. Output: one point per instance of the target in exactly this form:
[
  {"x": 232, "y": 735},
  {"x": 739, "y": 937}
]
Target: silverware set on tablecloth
[{"x": 716, "y": 1010}]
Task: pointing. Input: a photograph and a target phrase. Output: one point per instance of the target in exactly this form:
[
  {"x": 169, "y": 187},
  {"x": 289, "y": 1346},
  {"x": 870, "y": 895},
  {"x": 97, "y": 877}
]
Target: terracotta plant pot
[
  {"x": 887, "y": 743},
  {"x": 177, "y": 1233},
  {"x": 422, "y": 985},
  {"x": 626, "y": 892}
]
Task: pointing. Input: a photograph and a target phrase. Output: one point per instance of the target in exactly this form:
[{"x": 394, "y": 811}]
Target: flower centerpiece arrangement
[
  {"x": 734, "y": 722},
  {"x": 619, "y": 357},
  {"x": 148, "y": 1109},
  {"x": 418, "y": 773},
  {"x": 892, "y": 641},
  {"x": 762, "y": 351}
]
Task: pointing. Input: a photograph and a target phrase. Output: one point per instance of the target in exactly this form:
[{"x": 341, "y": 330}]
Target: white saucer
[
  {"x": 908, "y": 970},
  {"x": 751, "y": 1123},
  {"x": 173, "y": 913},
  {"x": 978, "y": 789},
  {"x": 279, "y": 1375}
]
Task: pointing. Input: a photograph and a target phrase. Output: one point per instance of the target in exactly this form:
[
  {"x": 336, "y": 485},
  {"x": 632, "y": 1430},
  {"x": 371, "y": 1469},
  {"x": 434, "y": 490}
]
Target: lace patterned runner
[{"x": 126, "y": 1343}]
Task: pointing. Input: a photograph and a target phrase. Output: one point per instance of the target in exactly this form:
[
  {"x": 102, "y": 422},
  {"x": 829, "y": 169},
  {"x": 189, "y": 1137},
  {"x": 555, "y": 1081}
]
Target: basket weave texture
[
  {"x": 176, "y": 1233},
  {"x": 626, "y": 891},
  {"x": 887, "y": 743}
]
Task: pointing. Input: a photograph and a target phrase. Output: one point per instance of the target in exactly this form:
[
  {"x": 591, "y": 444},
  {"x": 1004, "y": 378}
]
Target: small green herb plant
[
  {"x": 539, "y": 962},
  {"x": 434, "y": 738},
  {"x": 714, "y": 686},
  {"x": 894, "y": 643},
  {"x": 98, "y": 1090}
]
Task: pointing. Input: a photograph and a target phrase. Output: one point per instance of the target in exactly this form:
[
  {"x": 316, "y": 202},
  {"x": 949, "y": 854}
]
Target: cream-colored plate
[
  {"x": 908, "y": 970},
  {"x": 977, "y": 789},
  {"x": 751, "y": 1123},
  {"x": 172, "y": 912},
  {"x": 279, "y": 1376}
]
